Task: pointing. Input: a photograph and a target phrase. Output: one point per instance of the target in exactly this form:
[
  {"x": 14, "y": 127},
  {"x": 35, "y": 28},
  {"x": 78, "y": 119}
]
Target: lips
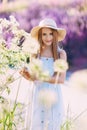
[{"x": 49, "y": 41}]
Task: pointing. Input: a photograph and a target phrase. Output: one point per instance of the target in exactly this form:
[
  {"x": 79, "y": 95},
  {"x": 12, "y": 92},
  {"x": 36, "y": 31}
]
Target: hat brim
[{"x": 61, "y": 32}]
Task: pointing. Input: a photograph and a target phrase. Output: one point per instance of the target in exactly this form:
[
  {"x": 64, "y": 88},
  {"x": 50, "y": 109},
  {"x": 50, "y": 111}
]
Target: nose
[{"x": 48, "y": 37}]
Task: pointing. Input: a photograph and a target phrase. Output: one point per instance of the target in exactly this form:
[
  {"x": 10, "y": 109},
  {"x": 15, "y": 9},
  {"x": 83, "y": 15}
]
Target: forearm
[
  {"x": 53, "y": 79},
  {"x": 59, "y": 80}
]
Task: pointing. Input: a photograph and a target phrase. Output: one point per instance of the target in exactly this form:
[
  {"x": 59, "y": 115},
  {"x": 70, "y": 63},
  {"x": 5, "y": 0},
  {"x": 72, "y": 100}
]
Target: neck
[
  {"x": 47, "y": 48},
  {"x": 47, "y": 51}
]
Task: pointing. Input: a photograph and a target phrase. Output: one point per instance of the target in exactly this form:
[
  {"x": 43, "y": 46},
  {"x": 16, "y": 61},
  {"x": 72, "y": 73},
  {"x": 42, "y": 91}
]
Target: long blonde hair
[{"x": 54, "y": 45}]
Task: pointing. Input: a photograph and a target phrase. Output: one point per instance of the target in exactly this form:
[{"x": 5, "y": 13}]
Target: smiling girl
[{"x": 48, "y": 35}]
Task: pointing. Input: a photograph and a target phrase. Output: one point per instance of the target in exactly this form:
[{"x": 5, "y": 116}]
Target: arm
[{"x": 62, "y": 76}]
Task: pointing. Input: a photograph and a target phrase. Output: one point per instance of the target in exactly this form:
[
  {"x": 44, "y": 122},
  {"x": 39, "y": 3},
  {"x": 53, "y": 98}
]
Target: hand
[{"x": 24, "y": 72}]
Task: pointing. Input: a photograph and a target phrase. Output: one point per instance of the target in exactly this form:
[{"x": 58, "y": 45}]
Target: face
[{"x": 47, "y": 36}]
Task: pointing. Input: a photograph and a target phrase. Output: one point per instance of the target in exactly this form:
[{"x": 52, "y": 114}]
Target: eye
[
  {"x": 44, "y": 34},
  {"x": 51, "y": 34}
]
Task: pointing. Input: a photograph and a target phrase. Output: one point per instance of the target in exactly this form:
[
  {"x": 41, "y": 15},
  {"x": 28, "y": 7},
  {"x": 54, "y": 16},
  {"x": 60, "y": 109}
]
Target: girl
[{"x": 48, "y": 35}]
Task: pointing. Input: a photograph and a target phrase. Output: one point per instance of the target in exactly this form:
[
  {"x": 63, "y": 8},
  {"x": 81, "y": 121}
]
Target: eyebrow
[{"x": 46, "y": 33}]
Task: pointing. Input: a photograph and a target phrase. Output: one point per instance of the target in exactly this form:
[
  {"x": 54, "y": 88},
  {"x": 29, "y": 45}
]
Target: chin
[{"x": 49, "y": 44}]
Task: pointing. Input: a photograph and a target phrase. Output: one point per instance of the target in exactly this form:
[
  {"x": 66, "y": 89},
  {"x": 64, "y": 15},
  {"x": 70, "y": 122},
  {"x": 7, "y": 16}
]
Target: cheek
[
  {"x": 43, "y": 38},
  {"x": 52, "y": 37}
]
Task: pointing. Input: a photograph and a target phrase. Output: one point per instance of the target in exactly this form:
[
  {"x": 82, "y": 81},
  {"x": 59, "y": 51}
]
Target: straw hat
[{"x": 50, "y": 23}]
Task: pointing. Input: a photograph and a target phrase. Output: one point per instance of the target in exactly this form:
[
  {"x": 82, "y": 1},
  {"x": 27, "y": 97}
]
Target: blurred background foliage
[{"x": 70, "y": 14}]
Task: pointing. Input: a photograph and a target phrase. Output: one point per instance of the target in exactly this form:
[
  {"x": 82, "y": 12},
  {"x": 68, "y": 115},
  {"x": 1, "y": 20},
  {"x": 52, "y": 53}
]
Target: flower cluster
[
  {"x": 60, "y": 65},
  {"x": 16, "y": 46},
  {"x": 10, "y": 32},
  {"x": 12, "y": 53},
  {"x": 10, "y": 38}
]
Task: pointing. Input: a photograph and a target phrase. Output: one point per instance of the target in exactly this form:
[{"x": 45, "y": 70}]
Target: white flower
[
  {"x": 44, "y": 75},
  {"x": 60, "y": 65},
  {"x": 35, "y": 67},
  {"x": 31, "y": 45},
  {"x": 4, "y": 22},
  {"x": 47, "y": 98},
  {"x": 78, "y": 80},
  {"x": 13, "y": 21},
  {"x": 14, "y": 47},
  {"x": 2, "y": 40},
  {"x": 0, "y": 29}
]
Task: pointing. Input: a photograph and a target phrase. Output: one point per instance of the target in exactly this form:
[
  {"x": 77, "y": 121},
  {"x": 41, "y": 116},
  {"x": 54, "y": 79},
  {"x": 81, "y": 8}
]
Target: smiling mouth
[{"x": 48, "y": 41}]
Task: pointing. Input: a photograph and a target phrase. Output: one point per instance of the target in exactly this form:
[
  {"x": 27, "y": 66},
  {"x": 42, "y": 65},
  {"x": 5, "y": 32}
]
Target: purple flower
[{"x": 7, "y": 36}]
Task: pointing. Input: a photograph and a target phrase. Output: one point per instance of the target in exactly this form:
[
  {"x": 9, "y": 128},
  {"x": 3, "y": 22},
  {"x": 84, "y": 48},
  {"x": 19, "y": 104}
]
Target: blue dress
[{"x": 40, "y": 116}]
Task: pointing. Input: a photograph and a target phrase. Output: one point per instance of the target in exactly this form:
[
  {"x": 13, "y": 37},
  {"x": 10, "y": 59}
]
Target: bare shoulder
[{"x": 63, "y": 54}]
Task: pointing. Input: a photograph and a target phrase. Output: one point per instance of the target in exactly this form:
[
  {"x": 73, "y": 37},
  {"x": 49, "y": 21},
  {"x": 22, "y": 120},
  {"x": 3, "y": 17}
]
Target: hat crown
[{"x": 48, "y": 22}]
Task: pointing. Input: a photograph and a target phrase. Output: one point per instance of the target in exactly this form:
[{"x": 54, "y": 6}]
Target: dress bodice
[
  {"x": 49, "y": 61},
  {"x": 48, "y": 64}
]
